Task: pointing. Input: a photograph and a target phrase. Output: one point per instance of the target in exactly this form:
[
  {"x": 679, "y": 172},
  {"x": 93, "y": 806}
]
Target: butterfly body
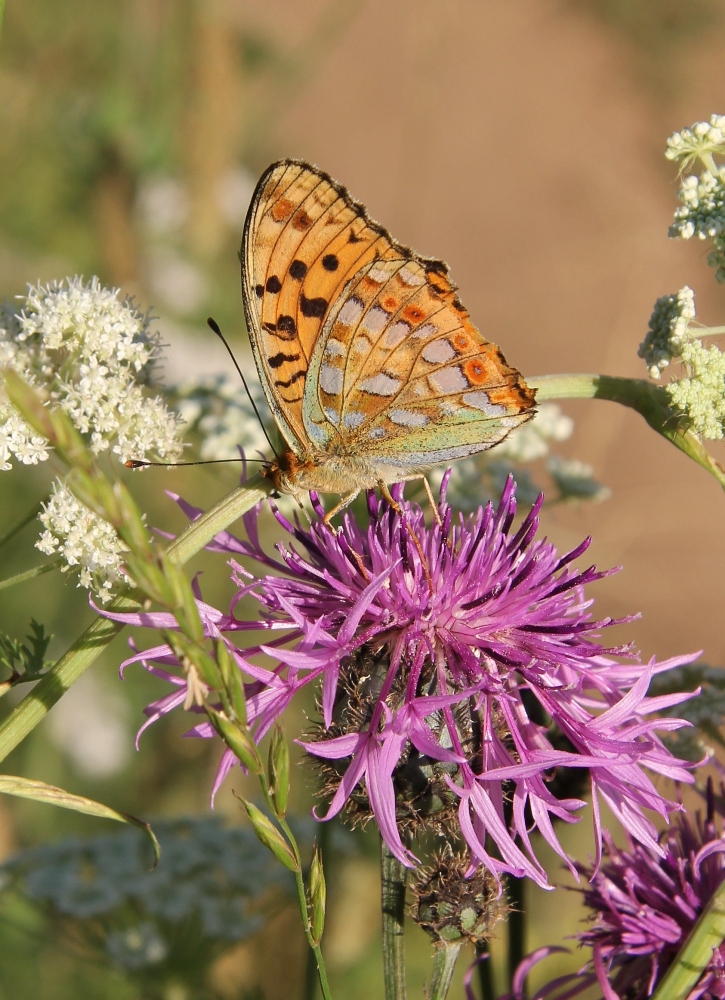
[{"x": 367, "y": 357}]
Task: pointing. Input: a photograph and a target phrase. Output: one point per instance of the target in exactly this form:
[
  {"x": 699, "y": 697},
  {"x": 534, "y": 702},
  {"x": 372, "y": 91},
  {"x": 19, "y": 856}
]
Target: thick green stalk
[
  {"x": 707, "y": 934},
  {"x": 393, "y": 879},
  {"x": 444, "y": 962},
  {"x": 73, "y": 664},
  {"x": 651, "y": 401}
]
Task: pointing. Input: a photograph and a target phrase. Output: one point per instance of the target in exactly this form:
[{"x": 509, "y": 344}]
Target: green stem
[
  {"x": 444, "y": 962},
  {"x": 29, "y": 574},
  {"x": 38, "y": 507},
  {"x": 312, "y": 967},
  {"x": 2, "y": 11},
  {"x": 319, "y": 961},
  {"x": 74, "y": 663},
  {"x": 707, "y": 934},
  {"x": 651, "y": 401},
  {"x": 485, "y": 973},
  {"x": 516, "y": 926},
  {"x": 393, "y": 879}
]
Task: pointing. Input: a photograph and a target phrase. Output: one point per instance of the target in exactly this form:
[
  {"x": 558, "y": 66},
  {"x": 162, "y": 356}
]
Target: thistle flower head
[
  {"x": 489, "y": 671},
  {"x": 646, "y": 903}
]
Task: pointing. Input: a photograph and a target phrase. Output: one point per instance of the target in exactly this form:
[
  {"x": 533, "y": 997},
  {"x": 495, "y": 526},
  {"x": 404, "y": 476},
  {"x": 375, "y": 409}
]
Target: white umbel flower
[
  {"x": 669, "y": 330},
  {"x": 85, "y": 541},
  {"x": 94, "y": 355},
  {"x": 700, "y": 395},
  {"x": 697, "y": 142}
]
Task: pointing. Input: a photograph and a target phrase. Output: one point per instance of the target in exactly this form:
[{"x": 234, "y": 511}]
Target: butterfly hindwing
[{"x": 401, "y": 375}]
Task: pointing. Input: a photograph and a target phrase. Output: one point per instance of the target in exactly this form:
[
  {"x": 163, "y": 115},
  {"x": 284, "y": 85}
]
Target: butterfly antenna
[
  {"x": 214, "y": 326},
  {"x": 137, "y": 463}
]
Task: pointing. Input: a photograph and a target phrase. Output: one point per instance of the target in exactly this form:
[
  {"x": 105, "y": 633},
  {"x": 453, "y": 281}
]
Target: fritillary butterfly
[{"x": 367, "y": 357}]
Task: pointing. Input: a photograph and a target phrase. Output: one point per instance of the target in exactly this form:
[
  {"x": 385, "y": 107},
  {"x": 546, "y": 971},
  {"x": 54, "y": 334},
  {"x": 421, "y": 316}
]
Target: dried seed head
[{"x": 450, "y": 907}]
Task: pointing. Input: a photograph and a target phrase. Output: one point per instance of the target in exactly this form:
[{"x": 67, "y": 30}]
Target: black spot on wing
[
  {"x": 298, "y": 269},
  {"x": 330, "y": 262},
  {"x": 259, "y": 289},
  {"x": 273, "y": 284},
  {"x": 313, "y": 307},
  {"x": 279, "y": 359},
  {"x": 292, "y": 379}
]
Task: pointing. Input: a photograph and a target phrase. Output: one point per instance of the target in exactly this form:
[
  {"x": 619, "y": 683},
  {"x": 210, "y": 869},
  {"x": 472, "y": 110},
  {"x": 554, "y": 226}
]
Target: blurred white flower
[
  {"x": 530, "y": 442},
  {"x": 90, "y": 726},
  {"x": 163, "y": 205},
  {"x": 575, "y": 480},
  {"x": 217, "y": 407},
  {"x": 700, "y": 394},
  {"x": 234, "y": 193},
  {"x": 178, "y": 284}
]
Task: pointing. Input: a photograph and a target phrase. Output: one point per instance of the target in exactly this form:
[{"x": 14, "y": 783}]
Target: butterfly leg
[
  {"x": 416, "y": 541},
  {"x": 345, "y": 502},
  {"x": 429, "y": 493}
]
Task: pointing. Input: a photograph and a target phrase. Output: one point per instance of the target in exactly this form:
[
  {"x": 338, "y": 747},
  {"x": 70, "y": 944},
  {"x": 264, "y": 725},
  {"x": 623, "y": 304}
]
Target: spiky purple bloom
[
  {"x": 504, "y": 625},
  {"x": 645, "y": 905}
]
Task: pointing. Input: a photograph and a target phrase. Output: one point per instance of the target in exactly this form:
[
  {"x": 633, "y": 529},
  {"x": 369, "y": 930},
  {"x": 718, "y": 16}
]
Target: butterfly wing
[
  {"x": 402, "y": 377},
  {"x": 304, "y": 240}
]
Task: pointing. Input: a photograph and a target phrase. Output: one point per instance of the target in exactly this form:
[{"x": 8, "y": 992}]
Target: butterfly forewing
[{"x": 304, "y": 238}]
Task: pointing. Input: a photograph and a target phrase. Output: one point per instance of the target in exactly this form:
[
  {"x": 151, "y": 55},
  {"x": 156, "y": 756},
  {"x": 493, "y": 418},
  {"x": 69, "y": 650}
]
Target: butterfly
[{"x": 367, "y": 357}]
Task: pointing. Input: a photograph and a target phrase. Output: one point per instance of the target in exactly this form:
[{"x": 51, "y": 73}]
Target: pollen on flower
[
  {"x": 84, "y": 540},
  {"x": 669, "y": 330}
]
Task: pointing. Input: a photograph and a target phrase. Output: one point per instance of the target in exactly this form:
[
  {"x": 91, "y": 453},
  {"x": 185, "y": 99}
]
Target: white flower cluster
[
  {"x": 698, "y": 141},
  {"x": 530, "y": 442},
  {"x": 700, "y": 395},
  {"x": 669, "y": 330},
  {"x": 84, "y": 540},
  {"x": 702, "y": 213},
  {"x": 218, "y": 408},
  {"x": 93, "y": 354},
  {"x": 575, "y": 480}
]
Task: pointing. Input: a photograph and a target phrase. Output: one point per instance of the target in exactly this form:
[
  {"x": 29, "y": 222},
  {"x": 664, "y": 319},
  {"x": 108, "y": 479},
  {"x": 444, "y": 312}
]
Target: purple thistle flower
[
  {"x": 503, "y": 639},
  {"x": 645, "y": 904}
]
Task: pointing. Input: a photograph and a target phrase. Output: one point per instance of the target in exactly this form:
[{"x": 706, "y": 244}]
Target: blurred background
[{"x": 523, "y": 143}]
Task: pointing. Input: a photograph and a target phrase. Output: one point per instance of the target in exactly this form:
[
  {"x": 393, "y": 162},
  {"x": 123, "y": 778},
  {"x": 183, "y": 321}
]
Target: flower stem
[
  {"x": 651, "y": 401},
  {"x": 707, "y": 934},
  {"x": 444, "y": 962},
  {"x": 86, "y": 649},
  {"x": 516, "y": 926},
  {"x": 393, "y": 879},
  {"x": 485, "y": 973},
  {"x": 29, "y": 574},
  {"x": 28, "y": 517}
]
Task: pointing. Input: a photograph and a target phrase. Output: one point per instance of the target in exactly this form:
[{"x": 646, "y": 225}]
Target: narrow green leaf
[
  {"x": 28, "y": 788},
  {"x": 318, "y": 896},
  {"x": 270, "y": 836},
  {"x": 279, "y": 771},
  {"x": 237, "y": 739},
  {"x": 233, "y": 683}
]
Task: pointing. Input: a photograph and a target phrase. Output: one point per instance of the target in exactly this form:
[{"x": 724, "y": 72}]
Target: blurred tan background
[{"x": 520, "y": 140}]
